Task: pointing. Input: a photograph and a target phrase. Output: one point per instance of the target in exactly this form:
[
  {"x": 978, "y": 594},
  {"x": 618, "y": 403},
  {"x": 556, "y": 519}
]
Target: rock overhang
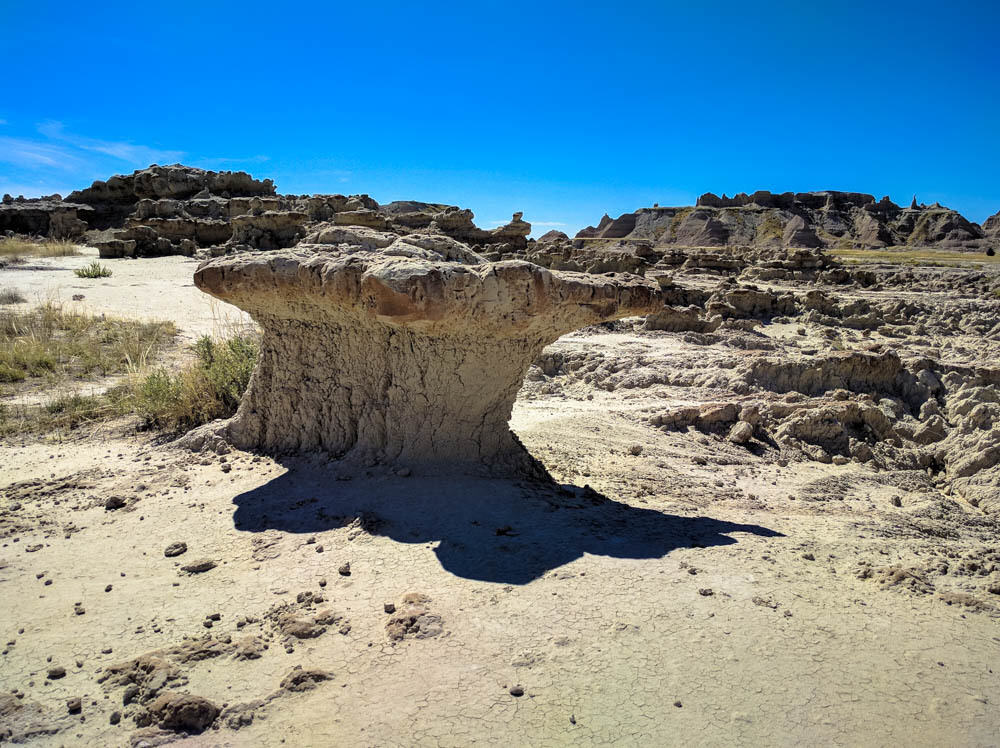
[{"x": 438, "y": 292}]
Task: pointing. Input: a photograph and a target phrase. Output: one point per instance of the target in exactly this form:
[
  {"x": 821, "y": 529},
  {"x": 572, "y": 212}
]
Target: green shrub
[
  {"x": 93, "y": 270},
  {"x": 209, "y": 388}
]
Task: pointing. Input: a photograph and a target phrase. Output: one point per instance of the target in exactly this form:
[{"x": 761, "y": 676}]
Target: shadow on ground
[{"x": 487, "y": 530}]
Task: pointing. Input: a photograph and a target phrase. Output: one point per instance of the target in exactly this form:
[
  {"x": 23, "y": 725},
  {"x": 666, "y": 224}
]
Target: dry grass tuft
[
  {"x": 11, "y": 296},
  {"x": 15, "y": 250},
  {"x": 55, "y": 346},
  {"x": 50, "y": 342}
]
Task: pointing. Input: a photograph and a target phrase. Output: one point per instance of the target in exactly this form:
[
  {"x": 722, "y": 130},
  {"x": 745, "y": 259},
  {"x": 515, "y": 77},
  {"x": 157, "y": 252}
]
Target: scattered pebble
[
  {"x": 345, "y": 570},
  {"x": 175, "y": 549},
  {"x": 200, "y": 566}
]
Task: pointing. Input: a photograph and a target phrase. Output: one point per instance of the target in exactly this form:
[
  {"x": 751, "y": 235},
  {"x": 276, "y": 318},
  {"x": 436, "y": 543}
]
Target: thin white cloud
[
  {"x": 138, "y": 155},
  {"x": 34, "y": 154},
  {"x": 214, "y": 162}
]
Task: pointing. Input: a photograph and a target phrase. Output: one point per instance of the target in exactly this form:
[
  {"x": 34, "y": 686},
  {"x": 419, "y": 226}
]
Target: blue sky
[{"x": 562, "y": 110}]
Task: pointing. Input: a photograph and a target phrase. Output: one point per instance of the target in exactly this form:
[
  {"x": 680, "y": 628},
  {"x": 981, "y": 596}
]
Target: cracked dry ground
[{"x": 679, "y": 587}]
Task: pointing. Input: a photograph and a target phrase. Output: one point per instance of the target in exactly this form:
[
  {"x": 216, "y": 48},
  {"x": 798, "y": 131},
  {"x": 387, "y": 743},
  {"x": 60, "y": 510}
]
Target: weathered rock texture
[
  {"x": 401, "y": 350},
  {"x": 44, "y": 216},
  {"x": 177, "y": 209}
]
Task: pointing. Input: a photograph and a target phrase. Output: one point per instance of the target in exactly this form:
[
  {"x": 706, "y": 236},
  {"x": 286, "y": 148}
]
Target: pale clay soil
[{"x": 696, "y": 592}]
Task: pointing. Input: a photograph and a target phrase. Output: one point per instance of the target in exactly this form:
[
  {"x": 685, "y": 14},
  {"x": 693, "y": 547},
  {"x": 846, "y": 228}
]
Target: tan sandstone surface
[{"x": 827, "y": 572}]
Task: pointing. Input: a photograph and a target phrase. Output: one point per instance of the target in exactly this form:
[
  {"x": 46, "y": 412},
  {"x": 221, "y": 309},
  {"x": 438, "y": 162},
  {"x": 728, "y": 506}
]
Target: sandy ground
[
  {"x": 156, "y": 288},
  {"x": 677, "y": 588}
]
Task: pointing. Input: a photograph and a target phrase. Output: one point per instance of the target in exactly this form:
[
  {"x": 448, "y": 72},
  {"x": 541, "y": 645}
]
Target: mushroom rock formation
[{"x": 400, "y": 350}]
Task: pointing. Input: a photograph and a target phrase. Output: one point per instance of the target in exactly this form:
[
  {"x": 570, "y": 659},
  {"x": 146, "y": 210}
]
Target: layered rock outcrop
[
  {"x": 403, "y": 350},
  {"x": 44, "y": 216},
  {"x": 801, "y": 220}
]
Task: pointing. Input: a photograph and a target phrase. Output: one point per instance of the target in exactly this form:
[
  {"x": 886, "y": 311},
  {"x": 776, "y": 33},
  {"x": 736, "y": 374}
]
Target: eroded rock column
[{"x": 411, "y": 354}]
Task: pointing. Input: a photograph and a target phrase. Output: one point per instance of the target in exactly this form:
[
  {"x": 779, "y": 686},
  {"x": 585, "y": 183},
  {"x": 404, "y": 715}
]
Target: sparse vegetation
[
  {"x": 19, "y": 248},
  {"x": 209, "y": 388},
  {"x": 49, "y": 342},
  {"x": 770, "y": 229},
  {"x": 11, "y": 296},
  {"x": 55, "y": 346},
  {"x": 93, "y": 270},
  {"x": 925, "y": 257}
]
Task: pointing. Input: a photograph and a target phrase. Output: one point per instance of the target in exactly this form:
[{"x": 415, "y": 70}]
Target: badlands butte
[{"x": 726, "y": 473}]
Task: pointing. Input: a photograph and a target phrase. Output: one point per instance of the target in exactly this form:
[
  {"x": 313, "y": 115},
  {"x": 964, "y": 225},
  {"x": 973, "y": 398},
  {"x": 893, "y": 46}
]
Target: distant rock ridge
[
  {"x": 826, "y": 219},
  {"x": 179, "y": 209},
  {"x": 164, "y": 210}
]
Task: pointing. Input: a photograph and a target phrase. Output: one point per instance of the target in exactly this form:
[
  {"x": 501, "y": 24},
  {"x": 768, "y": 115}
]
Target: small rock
[
  {"x": 635, "y": 450},
  {"x": 226, "y": 467},
  {"x": 345, "y": 569},
  {"x": 200, "y": 566},
  {"x": 706, "y": 592},
  {"x": 175, "y": 549},
  {"x": 896, "y": 501},
  {"x": 319, "y": 549},
  {"x": 107, "y": 588},
  {"x": 808, "y": 557},
  {"x": 114, "y": 502},
  {"x": 516, "y": 691},
  {"x": 55, "y": 673},
  {"x": 74, "y": 705},
  {"x": 741, "y": 432},
  {"x": 322, "y": 582},
  {"x": 115, "y": 718},
  {"x": 79, "y": 609},
  {"x": 678, "y": 704},
  {"x": 183, "y": 712},
  {"x": 389, "y": 608}
]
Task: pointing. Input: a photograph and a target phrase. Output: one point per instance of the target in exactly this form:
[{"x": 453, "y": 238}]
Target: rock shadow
[{"x": 488, "y": 530}]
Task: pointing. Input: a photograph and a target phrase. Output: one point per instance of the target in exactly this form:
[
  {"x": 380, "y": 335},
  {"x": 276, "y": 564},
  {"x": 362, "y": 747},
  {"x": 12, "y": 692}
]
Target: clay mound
[{"x": 406, "y": 350}]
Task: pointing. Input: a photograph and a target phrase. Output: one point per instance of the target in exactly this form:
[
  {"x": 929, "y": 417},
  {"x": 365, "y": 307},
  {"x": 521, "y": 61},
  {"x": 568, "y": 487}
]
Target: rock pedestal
[{"x": 407, "y": 354}]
